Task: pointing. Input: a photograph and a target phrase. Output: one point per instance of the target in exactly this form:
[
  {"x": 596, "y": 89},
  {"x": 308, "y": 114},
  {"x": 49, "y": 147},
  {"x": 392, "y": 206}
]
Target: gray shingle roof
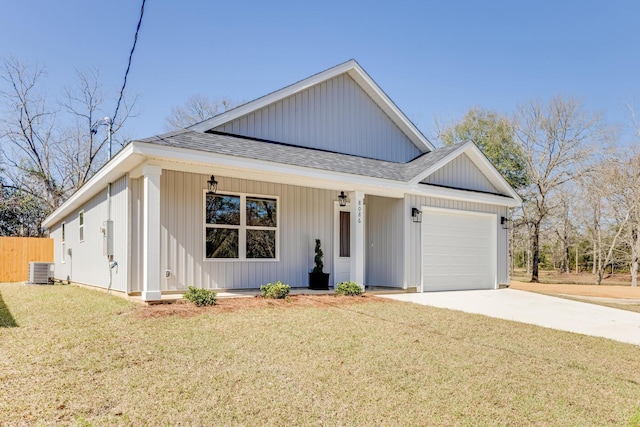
[{"x": 299, "y": 156}]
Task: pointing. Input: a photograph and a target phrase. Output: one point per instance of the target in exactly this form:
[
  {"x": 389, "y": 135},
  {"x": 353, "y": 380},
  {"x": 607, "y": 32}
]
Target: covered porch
[{"x": 178, "y": 219}]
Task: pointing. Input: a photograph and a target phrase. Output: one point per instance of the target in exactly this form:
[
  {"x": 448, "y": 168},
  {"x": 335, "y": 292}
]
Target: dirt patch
[
  {"x": 225, "y": 305},
  {"x": 604, "y": 291},
  {"x": 582, "y": 278}
]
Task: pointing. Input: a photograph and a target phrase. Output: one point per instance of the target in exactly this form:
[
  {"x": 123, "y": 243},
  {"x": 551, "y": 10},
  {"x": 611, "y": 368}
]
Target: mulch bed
[{"x": 184, "y": 308}]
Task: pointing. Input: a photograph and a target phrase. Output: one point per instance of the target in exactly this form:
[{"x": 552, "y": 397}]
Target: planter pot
[{"x": 319, "y": 281}]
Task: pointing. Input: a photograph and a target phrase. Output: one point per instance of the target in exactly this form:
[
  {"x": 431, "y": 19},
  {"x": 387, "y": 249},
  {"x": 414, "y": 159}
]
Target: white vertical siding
[
  {"x": 413, "y": 235},
  {"x": 335, "y": 115},
  {"x": 120, "y": 217},
  {"x": 385, "y": 241},
  {"x": 305, "y": 214},
  {"x": 136, "y": 191},
  {"x": 87, "y": 264},
  {"x": 461, "y": 173},
  {"x": 55, "y": 232}
]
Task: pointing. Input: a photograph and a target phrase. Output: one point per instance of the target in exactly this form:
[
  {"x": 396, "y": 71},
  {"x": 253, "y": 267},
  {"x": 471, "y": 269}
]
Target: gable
[
  {"x": 335, "y": 115},
  {"x": 461, "y": 173}
]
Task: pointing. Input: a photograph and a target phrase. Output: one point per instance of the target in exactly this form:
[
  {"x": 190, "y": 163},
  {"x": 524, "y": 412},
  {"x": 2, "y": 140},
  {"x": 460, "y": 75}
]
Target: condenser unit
[{"x": 40, "y": 273}]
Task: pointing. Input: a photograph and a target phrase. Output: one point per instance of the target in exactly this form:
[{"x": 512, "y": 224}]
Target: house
[{"x": 415, "y": 215}]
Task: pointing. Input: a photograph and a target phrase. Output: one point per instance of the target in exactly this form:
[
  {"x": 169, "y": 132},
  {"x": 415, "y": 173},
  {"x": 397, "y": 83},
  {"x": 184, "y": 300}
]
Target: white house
[{"x": 416, "y": 216}]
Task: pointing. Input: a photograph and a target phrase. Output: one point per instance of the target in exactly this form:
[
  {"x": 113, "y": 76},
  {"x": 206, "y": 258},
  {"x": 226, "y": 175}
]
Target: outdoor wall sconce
[
  {"x": 342, "y": 199},
  {"x": 416, "y": 214},
  {"x": 504, "y": 222},
  {"x": 213, "y": 185}
]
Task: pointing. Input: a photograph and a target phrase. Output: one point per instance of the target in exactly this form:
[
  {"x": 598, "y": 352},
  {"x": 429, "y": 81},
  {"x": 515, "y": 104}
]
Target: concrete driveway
[{"x": 536, "y": 309}]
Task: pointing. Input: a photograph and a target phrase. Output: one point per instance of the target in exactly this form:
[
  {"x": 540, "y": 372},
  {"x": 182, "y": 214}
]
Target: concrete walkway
[{"x": 536, "y": 309}]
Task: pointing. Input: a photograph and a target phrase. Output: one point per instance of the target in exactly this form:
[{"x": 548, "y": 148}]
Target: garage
[{"x": 458, "y": 250}]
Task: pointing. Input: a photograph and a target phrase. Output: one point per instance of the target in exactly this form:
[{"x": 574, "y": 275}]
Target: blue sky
[{"x": 433, "y": 58}]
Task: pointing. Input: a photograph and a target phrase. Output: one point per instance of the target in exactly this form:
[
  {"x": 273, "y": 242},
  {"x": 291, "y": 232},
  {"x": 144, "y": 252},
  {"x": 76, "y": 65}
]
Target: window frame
[
  {"x": 242, "y": 228},
  {"x": 63, "y": 258},
  {"x": 81, "y": 221}
]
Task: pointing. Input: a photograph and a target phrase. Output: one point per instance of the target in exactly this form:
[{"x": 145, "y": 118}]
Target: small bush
[
  {"x": 276, "y": 290},
  {"x": 348, "y": 288},
  {"x": 200, "y": 297}
]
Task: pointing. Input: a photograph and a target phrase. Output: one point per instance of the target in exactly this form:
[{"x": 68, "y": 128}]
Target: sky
[{"x": 434, "y": 59}]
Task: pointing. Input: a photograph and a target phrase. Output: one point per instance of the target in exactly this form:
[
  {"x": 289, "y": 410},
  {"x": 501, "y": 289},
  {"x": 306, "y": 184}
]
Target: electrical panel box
[{"x": 107, "y": 238}]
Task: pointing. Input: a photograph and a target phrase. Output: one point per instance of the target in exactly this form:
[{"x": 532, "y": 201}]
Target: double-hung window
[{"x": 240, "y": 226}]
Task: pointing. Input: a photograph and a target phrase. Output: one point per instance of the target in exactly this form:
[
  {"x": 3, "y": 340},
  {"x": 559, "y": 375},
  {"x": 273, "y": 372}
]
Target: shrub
[
  {"x": 200, "y": 297},
  {"x": 348, "y": 288},
  {"x": 276, "y": 290},
  {"x": 317, "y": 259}
]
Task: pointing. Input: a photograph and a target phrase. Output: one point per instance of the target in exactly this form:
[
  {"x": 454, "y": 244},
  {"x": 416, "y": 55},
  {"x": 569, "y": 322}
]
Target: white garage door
[{"x": 458, "y": 250}]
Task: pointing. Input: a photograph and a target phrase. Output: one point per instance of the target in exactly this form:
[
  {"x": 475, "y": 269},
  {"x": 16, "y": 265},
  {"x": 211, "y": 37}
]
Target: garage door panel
[{"x": 458, "y": 250}]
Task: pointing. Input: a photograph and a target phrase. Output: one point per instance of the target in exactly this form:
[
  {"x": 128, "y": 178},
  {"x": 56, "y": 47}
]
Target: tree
[
  {"x": 48, "y": 152},
  {"x": 195, "y": 110},
  {"x": 556, "y": 141},
  {"x": 624, "y": 198},
  {"x": 494, "y": 134},
  {"x": 20, "y": 214}
]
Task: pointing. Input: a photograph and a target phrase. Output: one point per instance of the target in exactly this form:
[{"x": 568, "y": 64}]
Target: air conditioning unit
[{"x": 40, "y": 273}]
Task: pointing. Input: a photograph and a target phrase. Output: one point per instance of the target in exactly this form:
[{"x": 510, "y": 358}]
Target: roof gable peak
[{"x": 357, "y": 73}]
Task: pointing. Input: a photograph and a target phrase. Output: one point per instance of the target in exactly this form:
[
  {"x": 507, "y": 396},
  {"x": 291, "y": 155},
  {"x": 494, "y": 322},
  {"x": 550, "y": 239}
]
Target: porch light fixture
[
  {"x": 504, "y": 222},
  {"x": 213, "y": 185},
  {"x": 342, "y": 199},
  {"x": 416, "y": 214}
]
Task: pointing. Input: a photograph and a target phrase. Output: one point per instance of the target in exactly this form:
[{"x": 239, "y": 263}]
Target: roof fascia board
[
  {"x": 388, "y": 106},
  {"x": 271, "y": 98},
  {"x": 175, "y": 158},
  {"x": 480, "y": 160},
  {"x": 315, "y": 177},
  {"x": 463, "y": 195},
  {"x": 356, "y": 72},
  {"x": 119, "y": 165},
  {"x": 238, "y": 167},
  {"x": 446, "y": 159}
]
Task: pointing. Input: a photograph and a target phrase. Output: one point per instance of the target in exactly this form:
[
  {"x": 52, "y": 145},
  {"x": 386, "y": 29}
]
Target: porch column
[
  {"x": 151, "y": 233},
  {"x": 357, "y": 237}
]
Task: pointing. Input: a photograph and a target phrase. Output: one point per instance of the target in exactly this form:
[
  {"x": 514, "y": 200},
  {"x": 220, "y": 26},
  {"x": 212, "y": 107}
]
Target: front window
[
  {"x": 239, "y": 226},
  {"x": 223, "y": 226}
]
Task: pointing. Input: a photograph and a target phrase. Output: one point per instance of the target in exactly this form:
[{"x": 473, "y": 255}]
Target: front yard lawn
[{"x": 75, "y": 356}]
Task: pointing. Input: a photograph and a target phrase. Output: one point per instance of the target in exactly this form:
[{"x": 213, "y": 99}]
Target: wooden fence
[{"x": 17, "y": 252}]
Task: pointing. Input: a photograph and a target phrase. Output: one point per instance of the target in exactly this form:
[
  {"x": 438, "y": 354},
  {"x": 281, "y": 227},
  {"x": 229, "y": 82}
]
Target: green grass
[{"x": 78, "y": 357}]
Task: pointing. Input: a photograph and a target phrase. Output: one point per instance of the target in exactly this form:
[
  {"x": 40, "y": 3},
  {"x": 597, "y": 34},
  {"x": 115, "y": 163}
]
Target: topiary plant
[
  {"x": 318, "y": 258},
  {"x": 348, "y": 288},
  {"x": 277, "y": 290},
  {"x": 200, "y": 297}
]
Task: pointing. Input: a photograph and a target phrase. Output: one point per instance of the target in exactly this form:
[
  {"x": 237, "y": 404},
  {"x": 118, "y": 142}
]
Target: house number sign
[{"x": 359, "y": 211}]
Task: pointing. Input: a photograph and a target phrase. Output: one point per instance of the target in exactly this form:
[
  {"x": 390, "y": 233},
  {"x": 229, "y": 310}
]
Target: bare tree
[
  {"x": 556, "y": 142},
  {"x": 48, "y": 151},
  {"x": 195, "y": 110},
  {"x": 624, "y": 198}
]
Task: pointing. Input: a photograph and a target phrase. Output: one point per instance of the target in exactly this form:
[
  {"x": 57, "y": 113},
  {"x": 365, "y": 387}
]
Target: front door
[{"x": 341, "y": 244}]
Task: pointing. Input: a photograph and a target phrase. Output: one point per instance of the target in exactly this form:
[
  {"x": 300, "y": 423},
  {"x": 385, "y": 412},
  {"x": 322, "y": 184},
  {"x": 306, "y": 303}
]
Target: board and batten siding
[
  {"x": 384, "y": 241},
  {"x": 136, "y": 191},
  {"x": 413, "y": 239},
  {"x": 304, "y": 215},
  {"x": 87, "y": 264},
  {"x": 461, "y": 172},
  {"x": 335, "y": 115}
]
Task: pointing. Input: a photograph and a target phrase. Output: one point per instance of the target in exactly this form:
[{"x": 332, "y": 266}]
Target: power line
[{"x": 126, "y": 73}]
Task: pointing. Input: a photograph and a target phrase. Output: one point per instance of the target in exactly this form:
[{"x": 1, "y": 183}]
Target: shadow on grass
[{"x": 6, "y": 319}]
